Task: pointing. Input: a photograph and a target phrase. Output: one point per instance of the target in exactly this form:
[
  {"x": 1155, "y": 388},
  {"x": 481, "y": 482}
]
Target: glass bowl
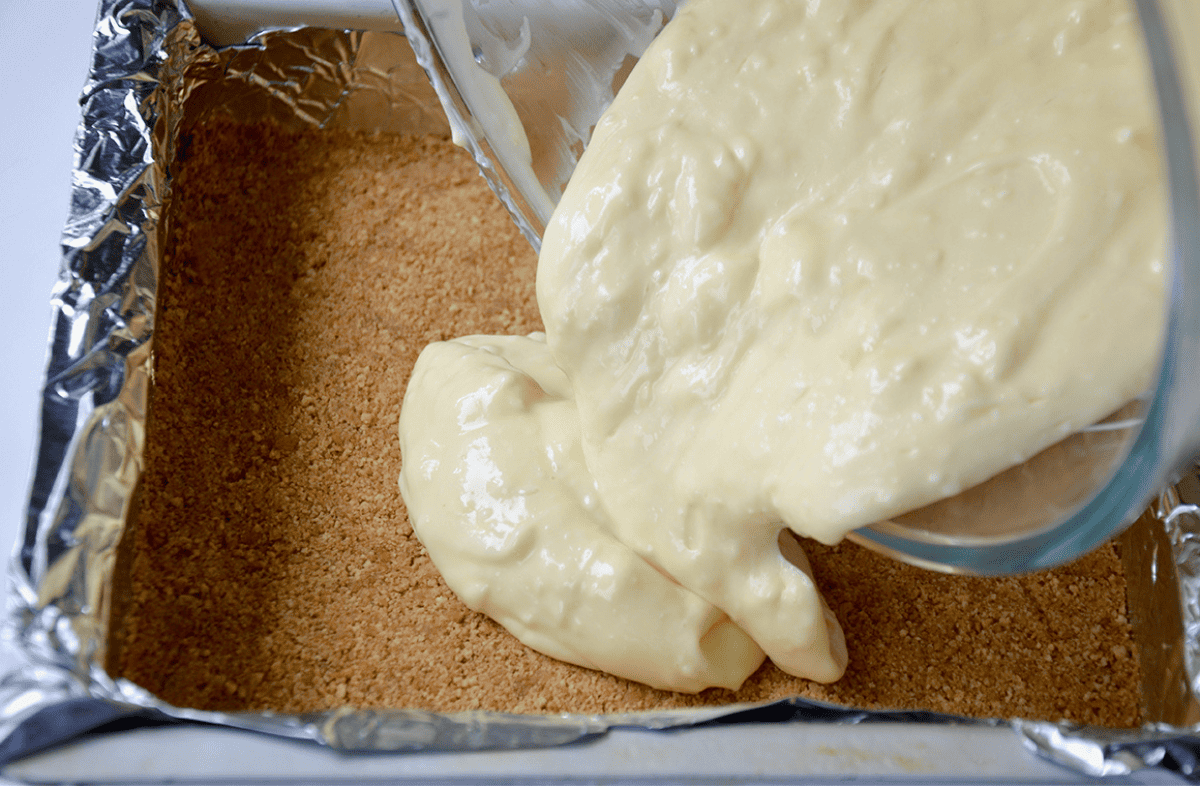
[{"x": 523, "y": 83}]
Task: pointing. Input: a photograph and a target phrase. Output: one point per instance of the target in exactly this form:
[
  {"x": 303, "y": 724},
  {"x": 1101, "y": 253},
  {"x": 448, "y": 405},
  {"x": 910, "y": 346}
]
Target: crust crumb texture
[{"x": 272, "y": 566}]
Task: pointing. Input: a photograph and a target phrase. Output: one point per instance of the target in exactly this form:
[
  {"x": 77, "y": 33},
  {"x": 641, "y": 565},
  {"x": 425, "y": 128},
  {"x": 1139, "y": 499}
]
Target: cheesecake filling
[{"x": 820, "y": 264}]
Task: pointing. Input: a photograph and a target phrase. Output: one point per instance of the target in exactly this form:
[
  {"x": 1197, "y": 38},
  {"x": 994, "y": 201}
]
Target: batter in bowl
[{"x": 822, "y": 264}]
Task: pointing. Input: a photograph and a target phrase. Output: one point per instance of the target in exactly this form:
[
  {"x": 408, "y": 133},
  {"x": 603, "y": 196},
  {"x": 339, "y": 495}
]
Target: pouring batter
[{"x": 824, "y": 263}]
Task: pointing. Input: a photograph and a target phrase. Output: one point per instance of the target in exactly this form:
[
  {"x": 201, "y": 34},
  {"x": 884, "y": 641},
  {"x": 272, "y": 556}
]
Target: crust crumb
[{"x": 272, "y": 565}]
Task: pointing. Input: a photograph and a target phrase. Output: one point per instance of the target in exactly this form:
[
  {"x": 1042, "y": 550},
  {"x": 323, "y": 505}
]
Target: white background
[
  {"x": 45, "y": 48},
  {"x": 44, "y": 53}
]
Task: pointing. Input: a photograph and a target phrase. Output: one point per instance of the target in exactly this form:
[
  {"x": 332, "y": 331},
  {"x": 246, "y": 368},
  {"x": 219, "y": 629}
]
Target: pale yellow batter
[
  {"x": 823, "y": 263},
  {"x": 499, "y": 494}
]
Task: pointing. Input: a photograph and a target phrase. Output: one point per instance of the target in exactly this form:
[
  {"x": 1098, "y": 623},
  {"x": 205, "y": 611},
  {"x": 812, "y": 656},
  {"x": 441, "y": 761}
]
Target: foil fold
[{"x": 148, "y": 61}]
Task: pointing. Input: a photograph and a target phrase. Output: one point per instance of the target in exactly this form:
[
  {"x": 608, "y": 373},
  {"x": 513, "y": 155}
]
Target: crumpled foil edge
[{"x": 89, "y": 460}]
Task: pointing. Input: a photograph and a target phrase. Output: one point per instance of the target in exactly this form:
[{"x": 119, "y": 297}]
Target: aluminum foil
[{"x": 148, "y": 61}]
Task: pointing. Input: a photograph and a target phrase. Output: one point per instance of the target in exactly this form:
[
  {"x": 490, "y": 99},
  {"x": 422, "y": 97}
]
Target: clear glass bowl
[{"x": 523, "y": 83}]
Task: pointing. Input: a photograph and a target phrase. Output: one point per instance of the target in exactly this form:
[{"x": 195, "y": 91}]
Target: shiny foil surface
[{"x": 148, "y": 62}]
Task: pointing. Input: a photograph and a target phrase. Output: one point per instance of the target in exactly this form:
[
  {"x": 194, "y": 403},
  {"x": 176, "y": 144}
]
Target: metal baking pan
[{"x": 63, "y": 719}]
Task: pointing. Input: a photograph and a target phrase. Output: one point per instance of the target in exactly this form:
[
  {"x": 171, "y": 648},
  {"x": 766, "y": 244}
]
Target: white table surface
[{"x": 44, "y": 53}]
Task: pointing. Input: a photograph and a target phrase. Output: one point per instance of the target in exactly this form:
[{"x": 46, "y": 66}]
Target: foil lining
[{"x": 148, "y": 61}]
